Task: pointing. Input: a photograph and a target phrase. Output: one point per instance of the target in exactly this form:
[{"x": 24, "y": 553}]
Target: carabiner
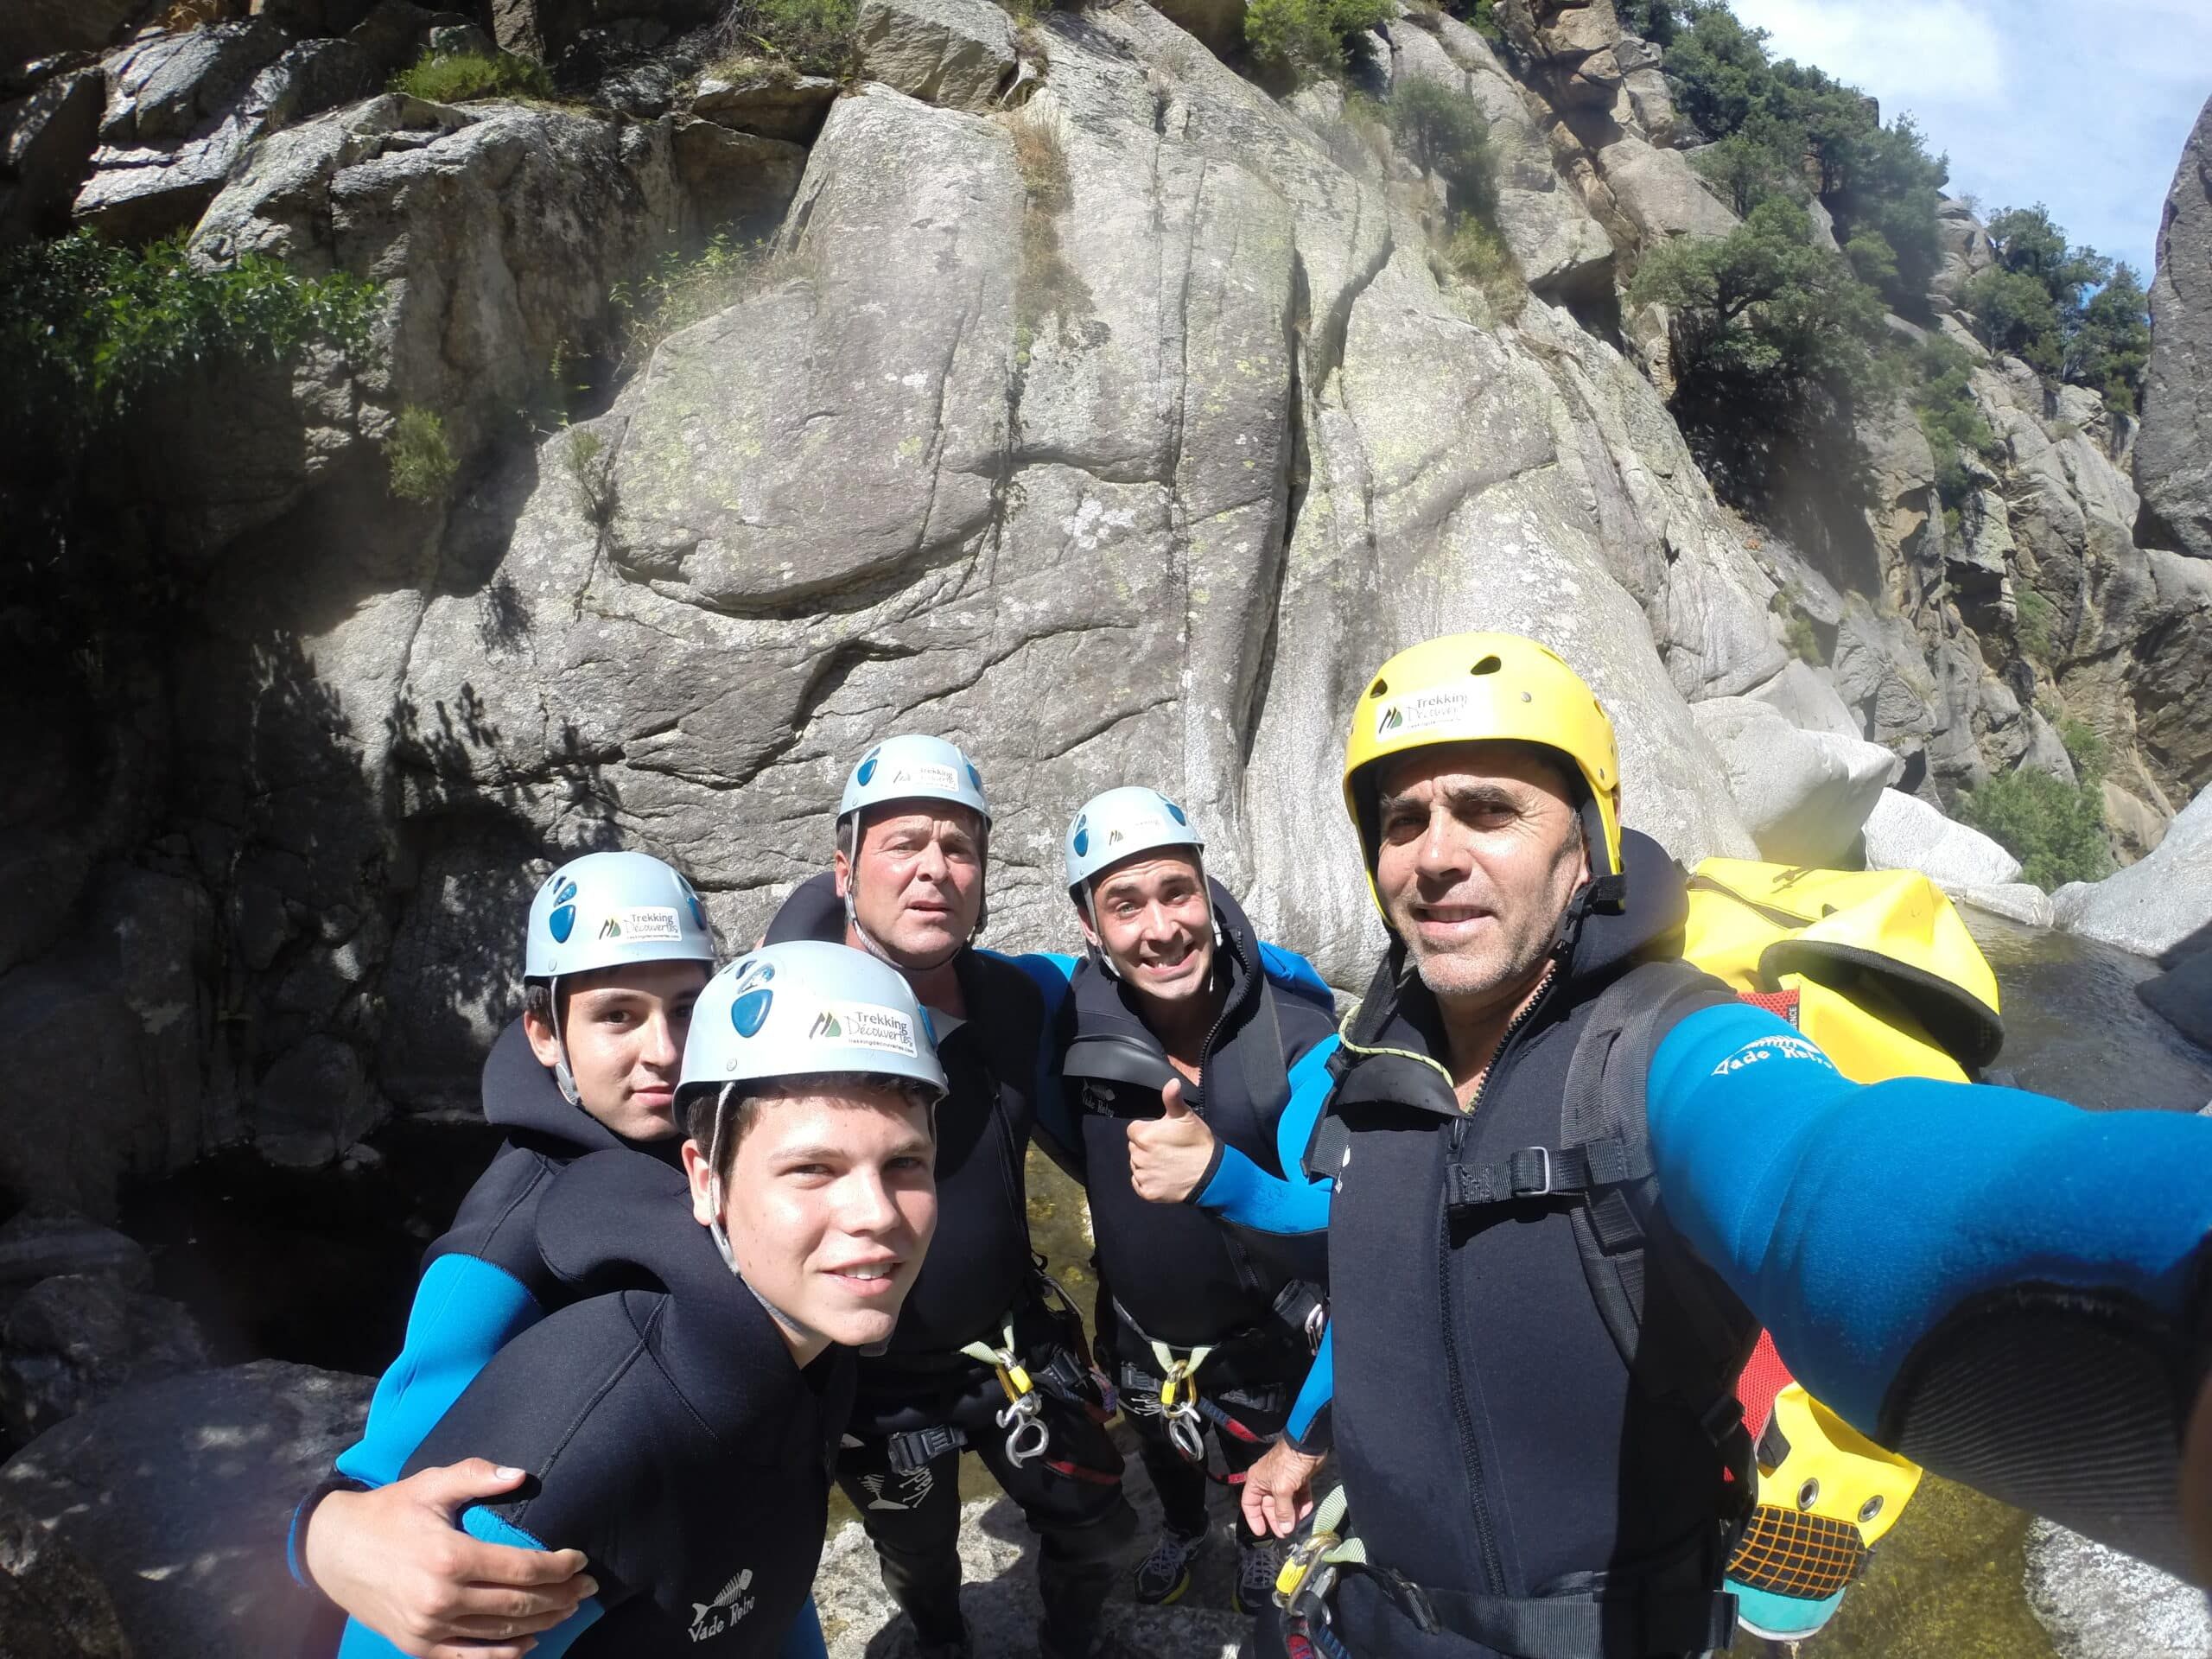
[
  {"x": 1188, "y": 1434},
  {"x": 1028, "y": 1436}
]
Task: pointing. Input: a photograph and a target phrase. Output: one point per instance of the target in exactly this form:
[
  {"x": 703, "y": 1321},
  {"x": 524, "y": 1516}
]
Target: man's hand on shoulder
[
  {"x": 1169, "y": 1155},
  {"x": 396, "y": 1559}
]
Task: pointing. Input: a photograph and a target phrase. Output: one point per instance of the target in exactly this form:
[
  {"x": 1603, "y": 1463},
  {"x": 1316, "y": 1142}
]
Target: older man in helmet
[{"x": 2002, "y": 1286}]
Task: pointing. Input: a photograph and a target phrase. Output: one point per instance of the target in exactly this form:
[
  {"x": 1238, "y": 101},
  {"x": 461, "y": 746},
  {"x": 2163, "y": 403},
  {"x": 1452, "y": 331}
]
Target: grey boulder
[
  {"x": 179, "y": 1493},
  {"x": 954, "y": 52},
  {"x": 1802, "y": 795},
  {"x": 2173, "y": 451},
  {"x": 2162, "y": 902},
  {"x": 71, "y": 1341},
  {"x": 52, "y": 1605},
  {"x": 2095, "y": 1603},
  {"x": 1906, "y": 833},
  {"x": 2184, "y": 995}
]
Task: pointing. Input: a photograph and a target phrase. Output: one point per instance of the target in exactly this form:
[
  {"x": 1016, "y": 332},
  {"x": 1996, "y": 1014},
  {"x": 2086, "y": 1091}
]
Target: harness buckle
[{"x": 1522, "y": 1189}]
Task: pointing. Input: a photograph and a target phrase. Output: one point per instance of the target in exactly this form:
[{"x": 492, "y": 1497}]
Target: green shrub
[
  {"x": 1937, "y": 374},
  {"x": 814, "y": 37},
  {"x": 590, "y": 466},
  {"x": 2084, "y": 747},
  {"x": 1775, "y": 342},
  {"x": 1479, "y": 255},
  {"x": 1441, "y": 131},
  {"x": 421, "y": 459},
  {"x": 2032, "y": 625},
  {"x": 1301, "y": 39},
  {"x": 87, "y": 327},
  {"x": 2056, "y": 830},
  {"x": 680, "y": 289},
  {"x": 456, "y": 77}
]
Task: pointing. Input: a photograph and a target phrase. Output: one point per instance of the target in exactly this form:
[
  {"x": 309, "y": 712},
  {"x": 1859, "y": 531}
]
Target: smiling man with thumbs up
[{"x": 1188, "y": 1045}]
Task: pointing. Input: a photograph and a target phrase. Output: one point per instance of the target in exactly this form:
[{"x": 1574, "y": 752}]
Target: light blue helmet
[
  {"x": 806, "y": 1008},
  {"x": 1121, "y": 823},
  {"x": 606, "y": 909},
  {"x": 913, "y": 767},
  {"x": 909, "y": 767},
  {"x": 803, "y": 1008}
]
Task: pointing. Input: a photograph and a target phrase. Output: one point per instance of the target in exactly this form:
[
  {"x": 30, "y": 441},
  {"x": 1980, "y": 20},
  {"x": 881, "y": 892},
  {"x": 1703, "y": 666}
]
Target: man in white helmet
[
  {"x": 616, "y": 951},
  {"x": 1181, "y": 1011},
  {"x": 679, "y": 1428},
  {"x": 987, "y": 1355}
]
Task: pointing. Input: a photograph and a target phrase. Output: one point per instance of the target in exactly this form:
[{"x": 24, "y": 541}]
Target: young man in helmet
[
  {"x": 616, "y": 950},
  {"x": 1171, "y": 1017},
  {"x": 982, "y": 1357},
  {"x": 2001, "y": 1287},
  {"x": 679, "y": 1428}
]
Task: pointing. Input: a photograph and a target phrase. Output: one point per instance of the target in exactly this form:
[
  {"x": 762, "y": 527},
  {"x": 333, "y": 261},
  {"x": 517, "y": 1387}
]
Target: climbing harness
[{"x": 1022, "y": 1417}]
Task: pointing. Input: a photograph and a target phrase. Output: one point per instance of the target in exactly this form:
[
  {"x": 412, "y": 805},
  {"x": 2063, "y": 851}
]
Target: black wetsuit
[
  {"x": 669, "y": 1431},
  {"x": 897, "y": 1467},
  {"x": 1172, "y": 1273}
]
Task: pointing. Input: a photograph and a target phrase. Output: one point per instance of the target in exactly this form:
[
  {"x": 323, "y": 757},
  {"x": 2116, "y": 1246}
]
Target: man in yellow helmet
[{"x": 1537, "y": 1316}]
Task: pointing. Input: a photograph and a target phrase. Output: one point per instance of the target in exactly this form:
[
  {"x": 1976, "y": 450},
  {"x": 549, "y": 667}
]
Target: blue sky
[{"x": 2082, "y": 104}]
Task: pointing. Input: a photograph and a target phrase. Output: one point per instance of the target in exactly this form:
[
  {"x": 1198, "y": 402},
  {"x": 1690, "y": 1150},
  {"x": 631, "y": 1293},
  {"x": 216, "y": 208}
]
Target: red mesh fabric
[
  {"x": 1764, "y": 1377},
  {"x": 1782, "y": 1003}
]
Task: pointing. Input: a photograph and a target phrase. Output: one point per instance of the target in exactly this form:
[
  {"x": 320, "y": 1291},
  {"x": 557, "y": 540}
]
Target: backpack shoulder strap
[{"x": 1692, "y": 1355}]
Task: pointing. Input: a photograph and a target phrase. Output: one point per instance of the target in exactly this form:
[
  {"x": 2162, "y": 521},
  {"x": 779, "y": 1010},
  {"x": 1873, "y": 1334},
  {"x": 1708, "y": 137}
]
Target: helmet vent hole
[
  {"x": 1871, "y": 1508},
  {"x": 1380, "y": 689},
  {"x": 1808, "y": 1493},
  {"x": 1525, "y": 697},
  {"x": 1489, "y": 664}
]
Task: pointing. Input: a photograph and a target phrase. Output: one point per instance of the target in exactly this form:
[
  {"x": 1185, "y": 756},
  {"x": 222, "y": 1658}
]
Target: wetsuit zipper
[{"x": 1463, "y": 1419}]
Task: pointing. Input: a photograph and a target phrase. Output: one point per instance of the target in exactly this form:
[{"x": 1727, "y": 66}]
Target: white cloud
[{"x": 2082, "y": 104}]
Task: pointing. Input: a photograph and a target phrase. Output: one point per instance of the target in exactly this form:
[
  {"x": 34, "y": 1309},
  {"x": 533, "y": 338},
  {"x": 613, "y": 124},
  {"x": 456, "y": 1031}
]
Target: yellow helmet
[{"x": 1479, "y": 687}]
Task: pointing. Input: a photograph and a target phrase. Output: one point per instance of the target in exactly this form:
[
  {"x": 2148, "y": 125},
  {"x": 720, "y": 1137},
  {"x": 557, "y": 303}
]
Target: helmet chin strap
[
  {"x": 564, "y": 1077},
  {"x": 867, "y": 939},
  {"x": 721, "y": 1234}
]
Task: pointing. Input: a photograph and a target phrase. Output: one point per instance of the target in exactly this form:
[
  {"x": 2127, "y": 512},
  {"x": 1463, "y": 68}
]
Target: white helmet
[
  {"x": 914, "y": 767},
  {"x": 608, "y": 908},
  {"x": 604, "y": 910},
  {"x": 1119, "y": 824},
  {"x": 908, "y": 767},
  {"x": 803, "y": 1009}
]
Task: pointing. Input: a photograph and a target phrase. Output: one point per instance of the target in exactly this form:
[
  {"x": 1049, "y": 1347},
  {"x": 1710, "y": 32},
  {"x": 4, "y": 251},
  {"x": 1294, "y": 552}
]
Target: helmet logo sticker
[
  {"x": 865, "y": 1025},
  {"x": 646, "y": 924},
  {"x": 867, "y": 765},
  {"x": 563, "y": 921},
  {"x": 698, "y": 910},
  {"x": 826, "y": 1026},
  {"x": 749, "y": 1011},
  {"x": 975, "y": 776},
  {"x": 610, "y": 929},
  {"x": 1445, "y": 706},
  {"x": 927, "y": 775},
  {"x": 1083, "y": 835},
  {"x": 1174, "y": 811}
]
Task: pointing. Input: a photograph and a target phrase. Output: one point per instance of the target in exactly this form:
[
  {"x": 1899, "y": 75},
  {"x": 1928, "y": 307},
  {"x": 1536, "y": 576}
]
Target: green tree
[
  {"x": 2112, "y": 347},
  {"x": 1441, "y": 131},
  {"x": 1300, "y": 39},
  {"x": 1750, "y": 165},
  {"x": 1938, "y": 374},
  {"x": 2054, "y": 828},
  {"x": 1721, "y": 66}
]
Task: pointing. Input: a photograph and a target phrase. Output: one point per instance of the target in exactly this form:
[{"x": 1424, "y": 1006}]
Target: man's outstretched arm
[{"x": 2006, "y": 1288}]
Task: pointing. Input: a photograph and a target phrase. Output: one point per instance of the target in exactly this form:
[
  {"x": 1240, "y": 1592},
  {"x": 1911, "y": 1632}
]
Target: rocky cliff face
[{"x": 1090, "y": 406}]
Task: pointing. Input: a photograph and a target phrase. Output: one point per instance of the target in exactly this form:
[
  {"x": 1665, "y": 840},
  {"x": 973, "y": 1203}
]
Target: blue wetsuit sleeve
[
  {"x": 1295, "y": 974},
  {"x": 1054, "y": 1128},
  {"x": 362, "y": 1642},
  {"x": 466, "y": 1310},
  {"x": 1239, "y": 1191},
  {"x": 804, "y": 1639},
  {"x": 1854, "y": 1220},
  {"x": 1308, "y": 1429}
]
